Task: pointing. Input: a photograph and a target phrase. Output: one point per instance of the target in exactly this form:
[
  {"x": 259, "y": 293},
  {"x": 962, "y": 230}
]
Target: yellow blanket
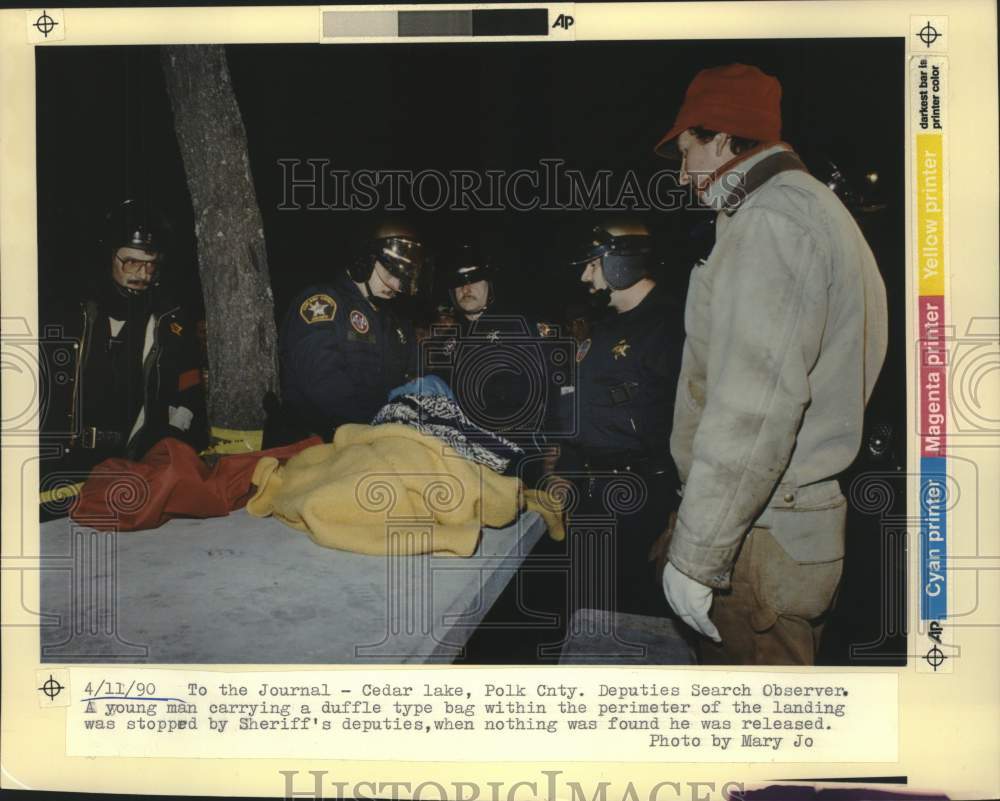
[{"x": 390, "y": 489}]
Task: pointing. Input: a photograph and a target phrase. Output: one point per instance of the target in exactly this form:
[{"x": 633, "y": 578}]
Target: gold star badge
[{"x": 620, "y": 350}]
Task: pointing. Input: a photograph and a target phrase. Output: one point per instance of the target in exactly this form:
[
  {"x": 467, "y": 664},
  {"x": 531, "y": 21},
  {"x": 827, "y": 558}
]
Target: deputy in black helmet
[
  {"x": 392, "y": 263},
  {"x": 626, "y": 382},
  {"x": 470, "y": 278},
  {"x": 617, "y": 263},
  {"x": 137, "y": 376},
  {"x": 343, "y": 347},
  {"x": 497, "y": 359}
]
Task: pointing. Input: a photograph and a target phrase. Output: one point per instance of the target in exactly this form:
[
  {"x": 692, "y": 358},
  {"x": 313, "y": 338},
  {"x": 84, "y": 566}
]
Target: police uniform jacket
[
  {"x": 340, "y": 355},
  {"x": 626, "y": 382},
  {"x": 501, "y": 368}
]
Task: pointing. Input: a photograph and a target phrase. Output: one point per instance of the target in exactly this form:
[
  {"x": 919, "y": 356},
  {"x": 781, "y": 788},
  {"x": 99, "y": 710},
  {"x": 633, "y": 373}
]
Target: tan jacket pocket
[
  {"x": 796, "y": 564},
  {"x": 808, "y": 522}
]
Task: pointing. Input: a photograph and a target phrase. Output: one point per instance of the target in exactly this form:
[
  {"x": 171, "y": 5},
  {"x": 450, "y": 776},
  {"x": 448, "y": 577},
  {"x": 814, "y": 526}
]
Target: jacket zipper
[
  {"x": 152, "y": 360},
  {"x": 75, "y": 417}
]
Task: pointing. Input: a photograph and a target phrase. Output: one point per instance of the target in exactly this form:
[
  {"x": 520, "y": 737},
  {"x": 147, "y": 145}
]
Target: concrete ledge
[
  {"x": 601, "y": 637},
  {"x": 239, "y": 589}
]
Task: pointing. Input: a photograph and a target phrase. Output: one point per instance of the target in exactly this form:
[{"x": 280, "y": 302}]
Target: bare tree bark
[{"x": 232, "y": 260}]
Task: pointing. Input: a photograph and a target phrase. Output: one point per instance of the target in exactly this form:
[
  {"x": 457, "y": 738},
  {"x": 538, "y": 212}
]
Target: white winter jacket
[{"x": 786, "y": 334}]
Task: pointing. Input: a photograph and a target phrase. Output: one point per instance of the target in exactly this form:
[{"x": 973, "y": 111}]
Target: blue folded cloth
[{"x": 425, "y": 385}]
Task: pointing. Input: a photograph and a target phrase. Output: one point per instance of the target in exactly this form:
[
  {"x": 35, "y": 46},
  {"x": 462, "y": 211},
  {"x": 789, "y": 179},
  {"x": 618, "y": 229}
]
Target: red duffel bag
[{"x": 170, "y": 481}]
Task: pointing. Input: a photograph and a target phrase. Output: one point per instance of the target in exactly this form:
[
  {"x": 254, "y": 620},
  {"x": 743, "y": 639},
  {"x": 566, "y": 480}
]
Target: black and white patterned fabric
[{"x": 439, "y": 416}]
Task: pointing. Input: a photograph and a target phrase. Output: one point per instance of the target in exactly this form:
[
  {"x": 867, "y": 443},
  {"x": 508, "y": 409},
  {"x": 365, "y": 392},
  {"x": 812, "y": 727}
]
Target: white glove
[{"x": 691, "y": 600}]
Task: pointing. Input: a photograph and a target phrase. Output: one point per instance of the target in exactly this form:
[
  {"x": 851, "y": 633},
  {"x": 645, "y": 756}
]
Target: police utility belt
[{"x": 638, "y": 462}]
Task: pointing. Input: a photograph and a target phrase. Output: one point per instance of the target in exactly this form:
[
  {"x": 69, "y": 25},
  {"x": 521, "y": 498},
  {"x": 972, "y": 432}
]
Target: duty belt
[
  {"x": 93, "y": 438},
  {"x": 644, "y": 464},
  {"x": 602, "y": 464}
]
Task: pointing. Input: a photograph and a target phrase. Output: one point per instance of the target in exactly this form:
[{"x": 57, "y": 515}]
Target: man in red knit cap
[{"x": 786, "y": 334}]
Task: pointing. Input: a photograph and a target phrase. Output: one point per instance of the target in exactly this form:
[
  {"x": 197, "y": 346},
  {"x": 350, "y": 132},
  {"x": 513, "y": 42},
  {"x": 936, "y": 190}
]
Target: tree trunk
[{"x": 232, "y": 260}]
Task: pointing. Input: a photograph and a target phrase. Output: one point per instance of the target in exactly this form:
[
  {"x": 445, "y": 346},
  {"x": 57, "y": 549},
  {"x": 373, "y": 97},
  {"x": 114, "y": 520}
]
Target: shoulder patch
[
  {"x": 359, "y": 322},
  {"x": 582, "y": 350},
  {"x": 318, "y": 308}
]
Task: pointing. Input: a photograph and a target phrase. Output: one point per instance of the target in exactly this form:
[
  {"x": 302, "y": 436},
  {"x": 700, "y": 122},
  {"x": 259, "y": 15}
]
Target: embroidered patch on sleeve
[
  {"x": 359, "y": 322},
  {"x": 318, "y": 309}
]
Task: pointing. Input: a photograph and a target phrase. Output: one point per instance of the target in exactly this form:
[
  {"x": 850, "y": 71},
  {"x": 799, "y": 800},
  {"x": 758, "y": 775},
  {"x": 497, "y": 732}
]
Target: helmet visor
[
  {"x": 405, "y": 259},
  {"x": 599, "y": 244},
  {"x": 469, "y": 274}
]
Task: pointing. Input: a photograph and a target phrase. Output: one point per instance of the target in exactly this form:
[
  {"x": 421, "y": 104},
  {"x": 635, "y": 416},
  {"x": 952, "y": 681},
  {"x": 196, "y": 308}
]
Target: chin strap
[
  {"x": 126, "y": 292},
  {"x": 600, "y": 299},
  {"x": 372, "y": 298},
  {"x": 121, "y": 302}
]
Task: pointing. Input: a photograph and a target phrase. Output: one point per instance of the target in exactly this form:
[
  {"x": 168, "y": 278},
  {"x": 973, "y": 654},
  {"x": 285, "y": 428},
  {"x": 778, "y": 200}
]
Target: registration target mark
[
  {"x": 45, "y": 25},
  {"x": 52, "y": 687}
]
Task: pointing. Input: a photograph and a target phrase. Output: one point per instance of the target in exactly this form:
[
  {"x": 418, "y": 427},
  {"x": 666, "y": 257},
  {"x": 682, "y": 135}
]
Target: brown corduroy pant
[{"x": 775, "y": 611}]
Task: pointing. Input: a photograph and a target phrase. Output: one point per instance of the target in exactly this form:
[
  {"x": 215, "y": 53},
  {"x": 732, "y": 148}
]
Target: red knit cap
[{"x": 736, "y": 99}]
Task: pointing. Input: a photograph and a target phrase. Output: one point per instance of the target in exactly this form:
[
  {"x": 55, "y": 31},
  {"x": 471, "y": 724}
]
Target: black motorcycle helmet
[
  {"x": 398, "y": 248},
  {"x": 135, "y": 224},
  {"x": 467, "y": 265},
  {"x": 625, "y": 250}
]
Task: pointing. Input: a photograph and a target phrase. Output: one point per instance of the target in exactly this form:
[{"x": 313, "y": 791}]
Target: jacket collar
[
  {"x": 345, "y": 284},
  {"x": 737, "y": 179},
  {"x": 654, "y": 299}
]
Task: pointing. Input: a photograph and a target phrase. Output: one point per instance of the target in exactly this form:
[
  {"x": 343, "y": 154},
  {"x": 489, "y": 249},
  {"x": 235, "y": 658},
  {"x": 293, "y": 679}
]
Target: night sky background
[{"x": 104, "y": 129}]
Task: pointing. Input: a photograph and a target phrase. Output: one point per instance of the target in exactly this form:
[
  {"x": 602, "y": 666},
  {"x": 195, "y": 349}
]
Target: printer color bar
[{"x": 430, "y": 23}]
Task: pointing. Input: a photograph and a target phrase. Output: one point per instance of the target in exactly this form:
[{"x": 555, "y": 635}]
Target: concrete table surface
[
  {"x": 600, "y": 637},
  {"x": 240, "y": 589}
]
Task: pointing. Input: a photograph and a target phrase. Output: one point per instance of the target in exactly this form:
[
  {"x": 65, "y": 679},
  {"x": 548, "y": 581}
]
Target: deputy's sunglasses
[{"x": 137, "y": 265}]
